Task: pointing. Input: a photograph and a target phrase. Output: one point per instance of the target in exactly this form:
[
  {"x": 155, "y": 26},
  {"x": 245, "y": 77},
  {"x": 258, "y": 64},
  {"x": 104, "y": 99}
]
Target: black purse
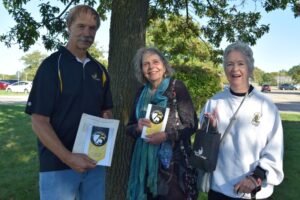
[
  {"x": 206, "y": 147},
  {"x": 207, "y": 142}
]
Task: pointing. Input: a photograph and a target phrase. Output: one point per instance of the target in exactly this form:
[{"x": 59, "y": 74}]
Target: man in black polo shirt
[{"x": 68, "y": 83}]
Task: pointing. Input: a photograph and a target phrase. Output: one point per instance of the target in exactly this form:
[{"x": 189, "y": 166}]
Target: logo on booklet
[
  {"x": 99, "y": 138},
  {"x": 157, "y": 116}
]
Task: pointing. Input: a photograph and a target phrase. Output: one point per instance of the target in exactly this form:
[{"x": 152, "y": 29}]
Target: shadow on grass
[
  {"x": 289, "y": 188},
  {"x": 19, "y": 162}
]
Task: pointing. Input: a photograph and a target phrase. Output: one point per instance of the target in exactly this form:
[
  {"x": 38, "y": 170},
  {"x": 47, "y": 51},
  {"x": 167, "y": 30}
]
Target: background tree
[
  {"x": 31, "y": 61},
  {"x": 294, "y": 72},
  {"x": 225, "y": 19},
  {"x": 178, "y": 38},
  {"x": 127, "y": 34},
  {"x": 258, "y": 75},
  {"x": 129, "y": 18},
  {"x": 202, "y": 83},
  {"x": 98, "y": 54},
  {"x": 7, "y": 76},
  {"x": 270, "y": 78}
]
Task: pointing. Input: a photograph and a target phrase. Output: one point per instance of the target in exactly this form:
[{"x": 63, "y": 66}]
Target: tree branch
[{"x": 59, "y": 16}]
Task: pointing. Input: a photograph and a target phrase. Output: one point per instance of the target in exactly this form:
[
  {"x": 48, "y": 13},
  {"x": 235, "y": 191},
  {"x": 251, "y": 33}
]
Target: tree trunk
[{"x": 127, "y": 34}]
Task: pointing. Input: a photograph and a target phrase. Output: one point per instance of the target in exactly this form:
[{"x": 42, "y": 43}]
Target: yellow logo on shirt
[
  {"x": 256, "y": 119},
  {"x": 95, "y": 77}
]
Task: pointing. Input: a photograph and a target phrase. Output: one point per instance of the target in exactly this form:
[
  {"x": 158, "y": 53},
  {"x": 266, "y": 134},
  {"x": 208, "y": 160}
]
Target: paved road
[{"x": 285, "y": 100}]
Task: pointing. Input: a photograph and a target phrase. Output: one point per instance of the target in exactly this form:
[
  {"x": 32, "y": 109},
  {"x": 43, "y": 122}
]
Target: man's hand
[
  {"x": 107, "y": 114},
  {"x": 80, "y": 162},
  {"x": 45, "y": 132}
]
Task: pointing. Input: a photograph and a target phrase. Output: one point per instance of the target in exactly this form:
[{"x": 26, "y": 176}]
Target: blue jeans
[{"x": 69, "y": 184}]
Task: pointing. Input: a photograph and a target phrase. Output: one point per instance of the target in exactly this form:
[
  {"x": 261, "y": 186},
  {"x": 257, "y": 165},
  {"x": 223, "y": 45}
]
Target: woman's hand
[
  {"x": 246, "y": 185},
  {"x": 212, "y": 119},
  {"x": 156, "y": 138},
  {"x": 142, "y": 122}
]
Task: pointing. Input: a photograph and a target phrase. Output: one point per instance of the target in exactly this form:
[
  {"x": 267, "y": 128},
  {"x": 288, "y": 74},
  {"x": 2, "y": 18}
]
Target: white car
[{"x": 21, "y": 86}]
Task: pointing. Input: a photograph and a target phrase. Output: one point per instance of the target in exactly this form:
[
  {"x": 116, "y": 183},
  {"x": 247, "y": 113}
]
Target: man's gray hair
[
  {"x": 244, "y": 49},
  {"x": 138, "y": 63},
  {"x": 77, "y": 10}
]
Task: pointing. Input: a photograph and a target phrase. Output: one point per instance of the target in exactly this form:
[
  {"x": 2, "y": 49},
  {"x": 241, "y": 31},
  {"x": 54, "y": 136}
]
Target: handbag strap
[
  {"x": 189, "y": 175},
  {"x": 175, "y": 103},
  {"x": 233, "y": 118}
]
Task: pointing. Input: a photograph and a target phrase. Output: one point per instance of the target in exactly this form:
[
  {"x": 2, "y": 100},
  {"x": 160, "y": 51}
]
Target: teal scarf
[{"x": 144, "y": 164}]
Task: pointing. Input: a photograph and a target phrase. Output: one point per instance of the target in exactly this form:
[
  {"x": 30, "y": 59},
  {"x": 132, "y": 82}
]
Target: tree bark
[{"x": 127, "y": 34}]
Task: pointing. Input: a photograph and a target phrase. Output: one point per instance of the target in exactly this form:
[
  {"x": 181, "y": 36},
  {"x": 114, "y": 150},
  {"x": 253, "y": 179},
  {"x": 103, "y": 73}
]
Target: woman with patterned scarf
[{"x": 159, "y": 166}]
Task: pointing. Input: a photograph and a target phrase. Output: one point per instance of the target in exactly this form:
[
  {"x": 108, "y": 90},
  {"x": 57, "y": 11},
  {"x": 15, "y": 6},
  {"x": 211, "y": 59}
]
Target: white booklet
[
  {"x": 96, "y": 138},
  {"x": 158, "y": 116}
]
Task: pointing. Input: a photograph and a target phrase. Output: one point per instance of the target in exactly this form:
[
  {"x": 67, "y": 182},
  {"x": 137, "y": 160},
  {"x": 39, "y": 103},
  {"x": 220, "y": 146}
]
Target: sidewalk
[{"x": 20, "y": 99}]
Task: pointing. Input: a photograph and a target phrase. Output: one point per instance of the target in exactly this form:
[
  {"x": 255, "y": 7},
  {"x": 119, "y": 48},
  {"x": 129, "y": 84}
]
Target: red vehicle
[
  {"x": 265, "y": 88},
  {"x": 3, "y": 85}
]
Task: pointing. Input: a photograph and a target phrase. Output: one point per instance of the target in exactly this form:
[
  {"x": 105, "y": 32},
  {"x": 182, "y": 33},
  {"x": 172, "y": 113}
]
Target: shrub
[{"x": 202, "y": 83}]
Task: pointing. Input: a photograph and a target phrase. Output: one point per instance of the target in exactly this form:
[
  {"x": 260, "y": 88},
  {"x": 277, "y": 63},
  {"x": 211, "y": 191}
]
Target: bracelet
[
  {"x": 257, "y": 179},
  {"x": 256, "y": 182},
  {"x": 252, "y": 179}
]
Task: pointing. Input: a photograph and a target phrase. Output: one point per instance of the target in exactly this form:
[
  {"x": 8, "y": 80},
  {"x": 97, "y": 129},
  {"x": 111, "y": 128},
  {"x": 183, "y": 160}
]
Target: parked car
[
  {"x": 297, "y": 86},
  {"x": 287, "y": 86},
  {"x": 21, "y": 86},
  {"x": 266, "y": 88},
  {"x": 11, "y": 81},
  {"x": 3, "y": 85}
]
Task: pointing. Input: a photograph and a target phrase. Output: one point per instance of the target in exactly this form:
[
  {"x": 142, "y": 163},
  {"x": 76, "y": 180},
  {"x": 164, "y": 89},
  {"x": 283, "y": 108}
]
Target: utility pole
[{"x": 278, "y": 78}]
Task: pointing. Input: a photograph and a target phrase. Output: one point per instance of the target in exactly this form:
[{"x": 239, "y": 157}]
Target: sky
[{"x": 277, "y": 50}]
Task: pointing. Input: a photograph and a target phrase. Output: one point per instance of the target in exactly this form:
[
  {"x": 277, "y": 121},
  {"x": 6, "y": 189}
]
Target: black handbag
[
  {"x": 207, "y": 142},
  {"x": 206, "y": 147}
]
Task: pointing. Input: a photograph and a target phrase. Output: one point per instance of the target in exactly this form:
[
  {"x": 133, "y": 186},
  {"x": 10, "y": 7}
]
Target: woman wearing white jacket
[{"x": 250, "y": 159}]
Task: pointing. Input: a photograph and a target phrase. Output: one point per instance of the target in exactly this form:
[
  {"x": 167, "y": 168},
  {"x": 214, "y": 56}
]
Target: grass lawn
[
  {"x": 289, "y": 188},
  {"x": 4, "y": 93},
  {"x": 19, "y": 162}
]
